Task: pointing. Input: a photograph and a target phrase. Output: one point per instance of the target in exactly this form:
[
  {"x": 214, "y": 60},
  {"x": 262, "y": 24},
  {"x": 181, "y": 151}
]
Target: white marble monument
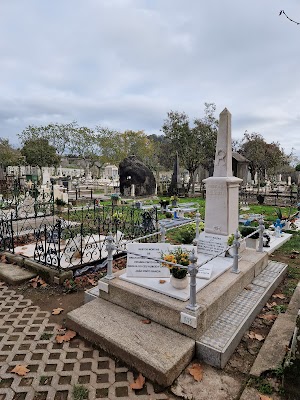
[{"x": 222, "y": 194}]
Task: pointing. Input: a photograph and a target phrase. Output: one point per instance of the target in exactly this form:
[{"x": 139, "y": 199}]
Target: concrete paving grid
[{"x": 55, "y": 368}]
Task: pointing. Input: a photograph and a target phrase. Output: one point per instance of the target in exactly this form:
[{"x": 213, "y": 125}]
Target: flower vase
[{"x": 179, "y": 283}]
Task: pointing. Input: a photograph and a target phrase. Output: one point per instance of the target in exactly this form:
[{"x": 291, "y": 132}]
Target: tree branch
[{"x": 295, "y": 22}]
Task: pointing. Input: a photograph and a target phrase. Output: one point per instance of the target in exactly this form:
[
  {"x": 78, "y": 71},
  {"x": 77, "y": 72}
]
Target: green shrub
[
  {"x": 186, "y": 234},
  {"x": 247, "y": 230}
]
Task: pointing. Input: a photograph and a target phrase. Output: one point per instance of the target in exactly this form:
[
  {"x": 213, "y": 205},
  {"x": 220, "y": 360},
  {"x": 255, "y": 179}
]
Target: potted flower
[
  {"x": 116, "y": 199},
  {"x": 178, "y": 279},
  {"x": 230, "y": 243},
  {"x": 251, "y": 242}
]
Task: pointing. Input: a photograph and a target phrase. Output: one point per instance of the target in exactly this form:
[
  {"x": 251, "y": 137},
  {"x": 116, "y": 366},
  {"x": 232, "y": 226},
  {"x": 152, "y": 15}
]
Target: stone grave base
[{"x": 123, "y": 306}]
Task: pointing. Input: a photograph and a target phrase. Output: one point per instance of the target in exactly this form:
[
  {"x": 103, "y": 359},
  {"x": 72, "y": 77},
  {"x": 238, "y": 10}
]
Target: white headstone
[
  {"x": 46, "y": 176},
  {"x": 222, "y": 192},
  {"x": 132, "y": 191}
]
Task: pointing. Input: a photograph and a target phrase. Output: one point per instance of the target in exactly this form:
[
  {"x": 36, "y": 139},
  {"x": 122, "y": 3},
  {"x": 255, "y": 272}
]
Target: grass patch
[
  {"x": 261, "y": 384},
  {"x": 46, "y": 336},
  {"x": 80, "y": 392}
]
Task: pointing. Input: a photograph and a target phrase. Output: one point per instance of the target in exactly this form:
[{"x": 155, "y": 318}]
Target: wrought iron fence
[
  {"x": 275, "y": 198},
  {"x": 78, "y": 236}
]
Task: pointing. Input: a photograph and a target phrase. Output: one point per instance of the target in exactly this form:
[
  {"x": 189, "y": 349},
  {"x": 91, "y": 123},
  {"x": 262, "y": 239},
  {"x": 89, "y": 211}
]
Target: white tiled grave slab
[{"x": 219, "y": 266}]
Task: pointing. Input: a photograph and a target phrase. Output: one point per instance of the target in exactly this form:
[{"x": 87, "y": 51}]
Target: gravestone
[
  {"x": 222, "y": 194},
  {"x": 46, "y": 176}
]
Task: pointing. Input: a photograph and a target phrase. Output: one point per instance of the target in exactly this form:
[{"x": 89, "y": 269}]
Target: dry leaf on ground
[
  {"x": 66, "y": 337},
  {"x": 138, "y": 383},
  {"x": 35, "y": 282},
  {"x": 271, "y": 305},
  {"x": 3, "y": 259},
  {"x": 92, "y": 281},
  {"x": 279, "y": 296},
  {"x": 57, "y": 311},
  {"x": 263, "y": 397},
  {"x": 162, "y": 281},
  {"x": 268, "y": 317},
  {"x": 248, "y": 288},
  {"x": 259, "y": 337},
  {"x": 196, "y": 370},
  {"x": 2, "y": 283},
  {"x": 295, "y": 252},
  {"x": 21, "y": 370},
  {"x": 146, "y": 321}
]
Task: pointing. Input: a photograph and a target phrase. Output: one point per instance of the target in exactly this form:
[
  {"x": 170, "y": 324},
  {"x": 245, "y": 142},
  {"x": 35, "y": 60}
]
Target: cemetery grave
[{"x": 209, "y": 318}]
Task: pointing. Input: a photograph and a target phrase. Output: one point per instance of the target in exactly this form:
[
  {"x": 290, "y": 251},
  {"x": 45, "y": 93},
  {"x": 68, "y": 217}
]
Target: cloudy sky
[{"x": 125, "y": 63}]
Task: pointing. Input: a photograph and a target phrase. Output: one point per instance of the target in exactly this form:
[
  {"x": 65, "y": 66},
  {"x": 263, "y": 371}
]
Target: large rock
[{"x": 140, "y": 176}]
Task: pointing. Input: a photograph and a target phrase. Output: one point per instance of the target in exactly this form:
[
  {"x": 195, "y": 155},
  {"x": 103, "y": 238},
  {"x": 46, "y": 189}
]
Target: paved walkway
[{"x": 55, "y": 368}]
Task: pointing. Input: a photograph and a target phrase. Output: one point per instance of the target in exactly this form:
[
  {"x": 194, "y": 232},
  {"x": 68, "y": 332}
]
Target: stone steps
[
  {"x": 219, "y": 341},
  {"x": 14, "y": 275},
  {"x": 157, "y": 352}
]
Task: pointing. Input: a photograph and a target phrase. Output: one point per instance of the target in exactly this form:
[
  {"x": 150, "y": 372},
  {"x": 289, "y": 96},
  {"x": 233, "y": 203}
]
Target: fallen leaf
[
  {"x": 57, "y": 311},
  {"x": 295, "y": 252},
  {"x": 66, "y": 337},
  {"x": 20, "y": 370},
  {"x": 248, "y": 288},
  {"x": 268, "y": 317},
  {"x": 196, "y": 370},
  {"x": 92, "y": 281},
  {"x": 259, "y": 337},
  {"x": 251, "y": 335},
  {"x": 263, "y": 397},
  {"x": 3, "y": 259},
  {"x": 2, "y": 283},
  {"x": 162, "y": 281},
  {"x": 35, "y": 282},
  {"x": 146, "y": 321},
  {"x": 138, "y": 383},
  {"x": 279, "y": 296}
]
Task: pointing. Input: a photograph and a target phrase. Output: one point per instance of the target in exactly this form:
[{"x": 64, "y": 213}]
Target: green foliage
[
  {"x": 247, "y": 230},
  {"x": 46, "y": 336},
  {"x": 195, "y": 145},
  {"x": 58, "y": 135},
  {"x": 8, "y": 155},
  {"x": 186, "y": 234},
  {"x": 80, "y": 392},
  {"x": 115, "y": 146},
  {"x": 230, "y": 239},
  {"x": 39, "y": 152},
  {"x": 280, "y": 308},
  {"x": 297, "y": 168},
  {"x": 261, "y": 384},
  {"x": 60, "y": 202}
]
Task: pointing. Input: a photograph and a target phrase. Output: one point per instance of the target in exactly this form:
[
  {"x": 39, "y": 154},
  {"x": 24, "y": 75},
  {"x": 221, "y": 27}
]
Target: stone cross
[{"x": 223, "y": 157}]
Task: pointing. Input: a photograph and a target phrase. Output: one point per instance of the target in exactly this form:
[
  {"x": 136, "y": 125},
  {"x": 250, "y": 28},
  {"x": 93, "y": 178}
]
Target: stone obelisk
[{"x": 222, "y": 192}]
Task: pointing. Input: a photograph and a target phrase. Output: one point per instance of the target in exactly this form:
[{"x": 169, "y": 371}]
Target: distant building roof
[{"x": 239, "y": 158}]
